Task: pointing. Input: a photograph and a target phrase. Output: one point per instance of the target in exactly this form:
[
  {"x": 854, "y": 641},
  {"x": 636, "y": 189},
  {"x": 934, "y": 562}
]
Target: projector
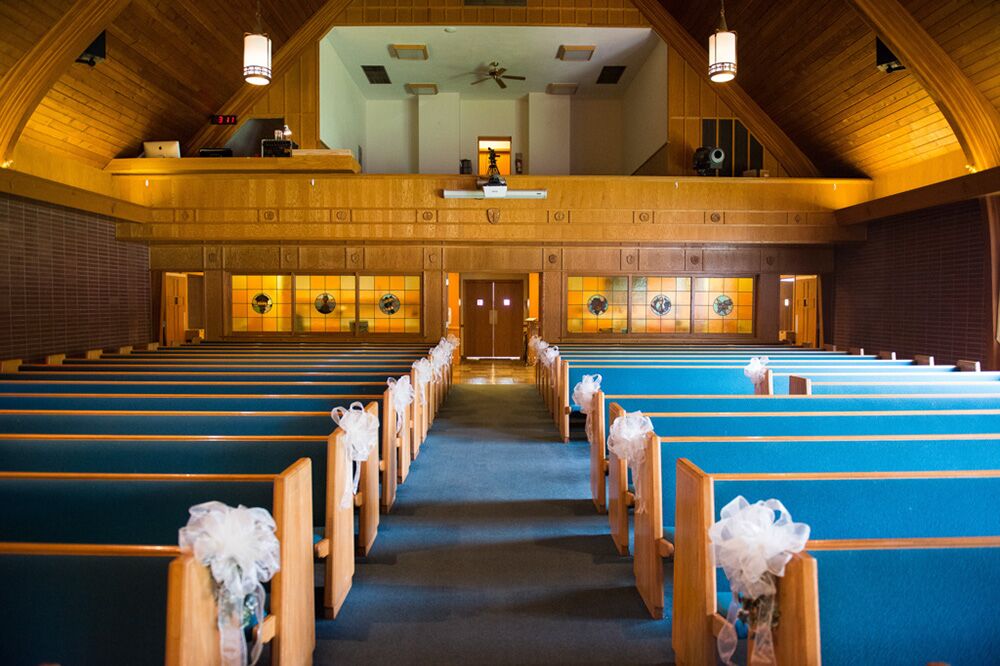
[{"x": 491, "y": 191}]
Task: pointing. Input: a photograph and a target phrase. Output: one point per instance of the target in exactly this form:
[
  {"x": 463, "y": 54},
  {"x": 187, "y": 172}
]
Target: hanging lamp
[
  {"x": 722, "y": 50},
  {"x": 257, "y": 55}
]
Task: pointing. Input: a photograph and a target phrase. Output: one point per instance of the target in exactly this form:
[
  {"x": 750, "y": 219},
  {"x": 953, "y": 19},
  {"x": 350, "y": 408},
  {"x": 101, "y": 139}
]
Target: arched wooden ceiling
[
  {"x": 808, "y": 64},
  {"x": 811, "y": 66},
  {"x": 170, "y": 65}
]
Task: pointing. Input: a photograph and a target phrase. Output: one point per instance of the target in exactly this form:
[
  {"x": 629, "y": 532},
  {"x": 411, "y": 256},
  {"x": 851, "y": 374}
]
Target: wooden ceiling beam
[
  {"x": 970, "y": 186},
  {"x": 973, "y": 119},
  {"x": 243, "y": 101},
  {"x": 795, "y": 162},
  {"x": 26, "y": 83}
]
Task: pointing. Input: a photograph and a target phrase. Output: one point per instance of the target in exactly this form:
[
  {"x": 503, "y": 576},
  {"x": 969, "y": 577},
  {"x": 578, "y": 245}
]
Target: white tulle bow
[
  {"x": 453, "y": 341},
  {"x": 756, "y": 369},
  {"x": 753, "y": 547},
  {"x": 401, "y": 393},
  {"x": 627, "y": 440},
  {"x": 440, "y": 358},
  {"x": 550, "y": 359},
  {"x": 423, "y": 372},
  {"x": 360, "y": 437},
  {"x": 240, "y": 549},
  {"x": 583, "y": 395}
]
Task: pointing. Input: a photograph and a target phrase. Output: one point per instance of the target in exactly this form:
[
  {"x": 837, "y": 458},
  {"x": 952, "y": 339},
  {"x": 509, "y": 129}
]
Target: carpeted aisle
[{"x": 494, "y": 554}]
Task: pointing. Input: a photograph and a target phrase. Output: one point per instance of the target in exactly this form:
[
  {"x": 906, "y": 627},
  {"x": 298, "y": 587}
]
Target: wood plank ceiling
[
  {"x": 811, "y": 67},
  {"x": 171, "y": 64}
]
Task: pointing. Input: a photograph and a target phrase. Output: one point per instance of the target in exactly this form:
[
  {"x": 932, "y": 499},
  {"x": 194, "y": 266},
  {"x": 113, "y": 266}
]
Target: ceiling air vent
[
  {"x": 376, "y": 74},
  {"x": 611, "y": 74},
  {"x": 495, "y": 3}
]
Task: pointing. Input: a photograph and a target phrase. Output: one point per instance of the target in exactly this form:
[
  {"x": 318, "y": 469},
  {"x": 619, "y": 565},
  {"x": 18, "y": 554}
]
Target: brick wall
[
  {"x": 918, "y": 285},
  {"x": 66, "y": 284}
]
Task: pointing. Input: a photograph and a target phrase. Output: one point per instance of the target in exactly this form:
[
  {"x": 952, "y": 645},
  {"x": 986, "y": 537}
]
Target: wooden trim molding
[
  {"x": 973, "y": 119},
  {"x": 991, "y": 213},
  {"x": 243, "y": 101},
  {"x": 795, "y": 162},
  {"x": 26, "y": 83}
]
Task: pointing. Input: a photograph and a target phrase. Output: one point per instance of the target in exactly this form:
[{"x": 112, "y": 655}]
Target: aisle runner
[{"x": 493, "y": 554}]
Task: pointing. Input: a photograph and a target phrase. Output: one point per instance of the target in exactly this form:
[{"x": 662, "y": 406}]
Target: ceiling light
[
  {"x": 722, "y": 50},
  {"x": 422, "y": 88},
  {"x": 408, "y": 51},
  {"x": 575, "y": 53},
  {"x": 561, "y": 88},
  {"x": 257, "y": 56}
]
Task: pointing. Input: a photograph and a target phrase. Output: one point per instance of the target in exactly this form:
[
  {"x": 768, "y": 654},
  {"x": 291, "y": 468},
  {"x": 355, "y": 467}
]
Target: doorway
[
  {"x": 800, "y": 307},
  {"x": 493, "y": 317},
  {"x": 174, "y": 303}
]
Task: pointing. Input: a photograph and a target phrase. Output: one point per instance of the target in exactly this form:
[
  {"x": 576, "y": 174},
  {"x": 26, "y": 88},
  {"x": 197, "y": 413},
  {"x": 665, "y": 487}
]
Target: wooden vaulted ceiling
[
  {"x": 809, "y": 65},
  {"x": 171, "y": 64}
]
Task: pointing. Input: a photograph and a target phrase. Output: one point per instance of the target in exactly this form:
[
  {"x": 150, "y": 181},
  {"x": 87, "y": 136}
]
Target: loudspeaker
[
  {"x": 708, "y": 158},
  {"x": 95, "y": 53}
]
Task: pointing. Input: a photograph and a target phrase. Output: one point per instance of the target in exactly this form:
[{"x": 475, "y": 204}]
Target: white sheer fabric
[
  {"x": 756, "y": 369},
  {"x": 423, "y": 372},
  {"x": 627, "y": 439},
  {"x": 240, "y": 549},
  {"x": 401, "y": 394},
  {"x": 550, "y": 359},
  {"x": 583, "y": 395},
  {"x": 361, "y": 438},
  {"x": 753, "y": 547}
]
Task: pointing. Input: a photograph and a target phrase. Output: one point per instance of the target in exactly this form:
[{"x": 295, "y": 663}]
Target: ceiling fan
[{"x": 496, "y": 72}]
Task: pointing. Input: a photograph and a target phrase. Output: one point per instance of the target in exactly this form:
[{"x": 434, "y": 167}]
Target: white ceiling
[{"x": 455, "y": 57}]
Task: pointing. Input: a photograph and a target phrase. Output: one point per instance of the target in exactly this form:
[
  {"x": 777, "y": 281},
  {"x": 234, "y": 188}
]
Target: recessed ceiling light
[
  {"x": 561, "y": 88},
  {"x": 409, "y": 51},
  {"x": 422, "y": 88},
  {"x": 575, "y": 53}
]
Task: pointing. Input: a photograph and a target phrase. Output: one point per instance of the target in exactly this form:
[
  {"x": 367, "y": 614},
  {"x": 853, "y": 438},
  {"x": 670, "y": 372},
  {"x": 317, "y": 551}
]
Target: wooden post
[
  {"x": 387, "y": 465},
  {"x": 887, "y": 355},
  {"x": 368, "y": 516},
  {"x": 797, "y": 640},
  {"x": 799, "y": 385},
  {"x": 618, "y": 494},
  {"x": 694, "y": 568},
  {"x": 968, "y": 366},
  {"x": 192, "y": 615},
  {"x": 856, "y": 351},
  {"x": 339, "y": 525},
  {"x": 650, "y": 548},
  {"x": 564, "y": 393},
  {"x": 94, "y": 353},
  {"x": 923, "y": 359},
  {"x": 598, "y": 454},
  {"x": 55, "y": 359}
]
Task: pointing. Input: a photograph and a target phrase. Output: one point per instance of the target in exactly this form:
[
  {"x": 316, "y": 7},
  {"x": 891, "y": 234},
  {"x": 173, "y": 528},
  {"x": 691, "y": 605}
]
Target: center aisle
[{"x": 494, "y": 554}]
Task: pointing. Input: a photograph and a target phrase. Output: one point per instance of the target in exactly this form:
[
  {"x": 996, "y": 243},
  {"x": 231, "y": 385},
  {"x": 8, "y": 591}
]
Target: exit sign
[{"x": 220, "y": 119}]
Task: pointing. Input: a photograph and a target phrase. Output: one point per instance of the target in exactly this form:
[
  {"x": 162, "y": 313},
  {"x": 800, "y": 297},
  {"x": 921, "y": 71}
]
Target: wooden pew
[{"x": 81, "y": 517}]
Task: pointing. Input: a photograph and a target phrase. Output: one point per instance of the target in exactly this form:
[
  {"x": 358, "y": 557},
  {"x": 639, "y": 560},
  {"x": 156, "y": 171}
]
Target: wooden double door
[{"x": 493, "y": 315}]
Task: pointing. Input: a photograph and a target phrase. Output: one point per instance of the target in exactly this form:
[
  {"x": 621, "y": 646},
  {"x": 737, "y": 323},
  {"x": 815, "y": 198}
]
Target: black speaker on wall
[{"x": 95, "y": 53}]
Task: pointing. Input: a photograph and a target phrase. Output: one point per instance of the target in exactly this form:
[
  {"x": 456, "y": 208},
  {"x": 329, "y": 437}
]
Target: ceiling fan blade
[
  {"x": 479, "y": 81},
  {"x": 516, "y": 78},
  {"x": 500, "y": 83},
  {"x": 499, "y": 71}
]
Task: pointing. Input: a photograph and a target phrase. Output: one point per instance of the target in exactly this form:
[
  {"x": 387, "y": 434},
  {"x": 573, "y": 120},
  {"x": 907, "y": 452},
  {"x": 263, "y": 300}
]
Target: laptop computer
[{"x": 161, "y": 149}]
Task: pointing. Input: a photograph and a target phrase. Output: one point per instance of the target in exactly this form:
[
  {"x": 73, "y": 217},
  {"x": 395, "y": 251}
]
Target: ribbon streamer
[
  {"x": 240, "y": 549},
  {"x": 401, "y": 394},
  {"x": 756, "y": 369},
  {"x": 361, "y": 437},
  {"x": 627, "y": 440},
  {"x": 583, "y": 395},
  {"x": 753, "y": 547}
]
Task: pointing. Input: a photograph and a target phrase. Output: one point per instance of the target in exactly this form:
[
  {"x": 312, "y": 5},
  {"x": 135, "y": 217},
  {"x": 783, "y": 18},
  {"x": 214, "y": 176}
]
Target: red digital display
[{"x": 220, "y": 119}]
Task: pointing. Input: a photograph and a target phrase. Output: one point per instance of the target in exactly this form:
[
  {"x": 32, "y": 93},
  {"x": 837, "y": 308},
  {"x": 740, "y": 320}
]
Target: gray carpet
[{"x": 494, "y": 554}]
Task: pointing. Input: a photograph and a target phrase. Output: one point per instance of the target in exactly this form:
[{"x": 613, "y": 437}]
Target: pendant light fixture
[
  {"x": 257, "y": 55},
  {"x": 722, "y": 50}
]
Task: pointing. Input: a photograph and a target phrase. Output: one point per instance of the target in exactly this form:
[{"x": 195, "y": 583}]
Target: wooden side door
[
  {"x": 477, "y": 306},
  {"x": 805, "y": 310},
  {"x": 175, "y": 304},
  {"x": 508, "y": 330}
]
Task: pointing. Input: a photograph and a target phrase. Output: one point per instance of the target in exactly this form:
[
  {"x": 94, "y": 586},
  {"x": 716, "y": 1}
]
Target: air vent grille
[
  {"x": 611, "y": 74},
  {"x": 376, "y": 74}
]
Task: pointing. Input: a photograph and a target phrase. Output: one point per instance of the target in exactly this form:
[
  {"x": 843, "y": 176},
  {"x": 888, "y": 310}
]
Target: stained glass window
[
  {"x": 262, "y": 303},
  {"x": 661, "y": 304},
  {"x": 389, "y": 303},
  {"x": 723, "y": 305},
  {"x": 597, "y": 304},
  {"x": 324, "y": 303}
]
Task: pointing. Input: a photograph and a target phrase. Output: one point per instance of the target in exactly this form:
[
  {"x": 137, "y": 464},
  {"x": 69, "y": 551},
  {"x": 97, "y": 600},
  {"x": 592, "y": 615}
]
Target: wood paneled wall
[
  {"x": 295, "y": 97},
  {"x": 434, "y": 261},
  {"x": 690, "y": 99},
  {"x": 578, "y": 209},
  {"x": 616, "y": 13}
]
